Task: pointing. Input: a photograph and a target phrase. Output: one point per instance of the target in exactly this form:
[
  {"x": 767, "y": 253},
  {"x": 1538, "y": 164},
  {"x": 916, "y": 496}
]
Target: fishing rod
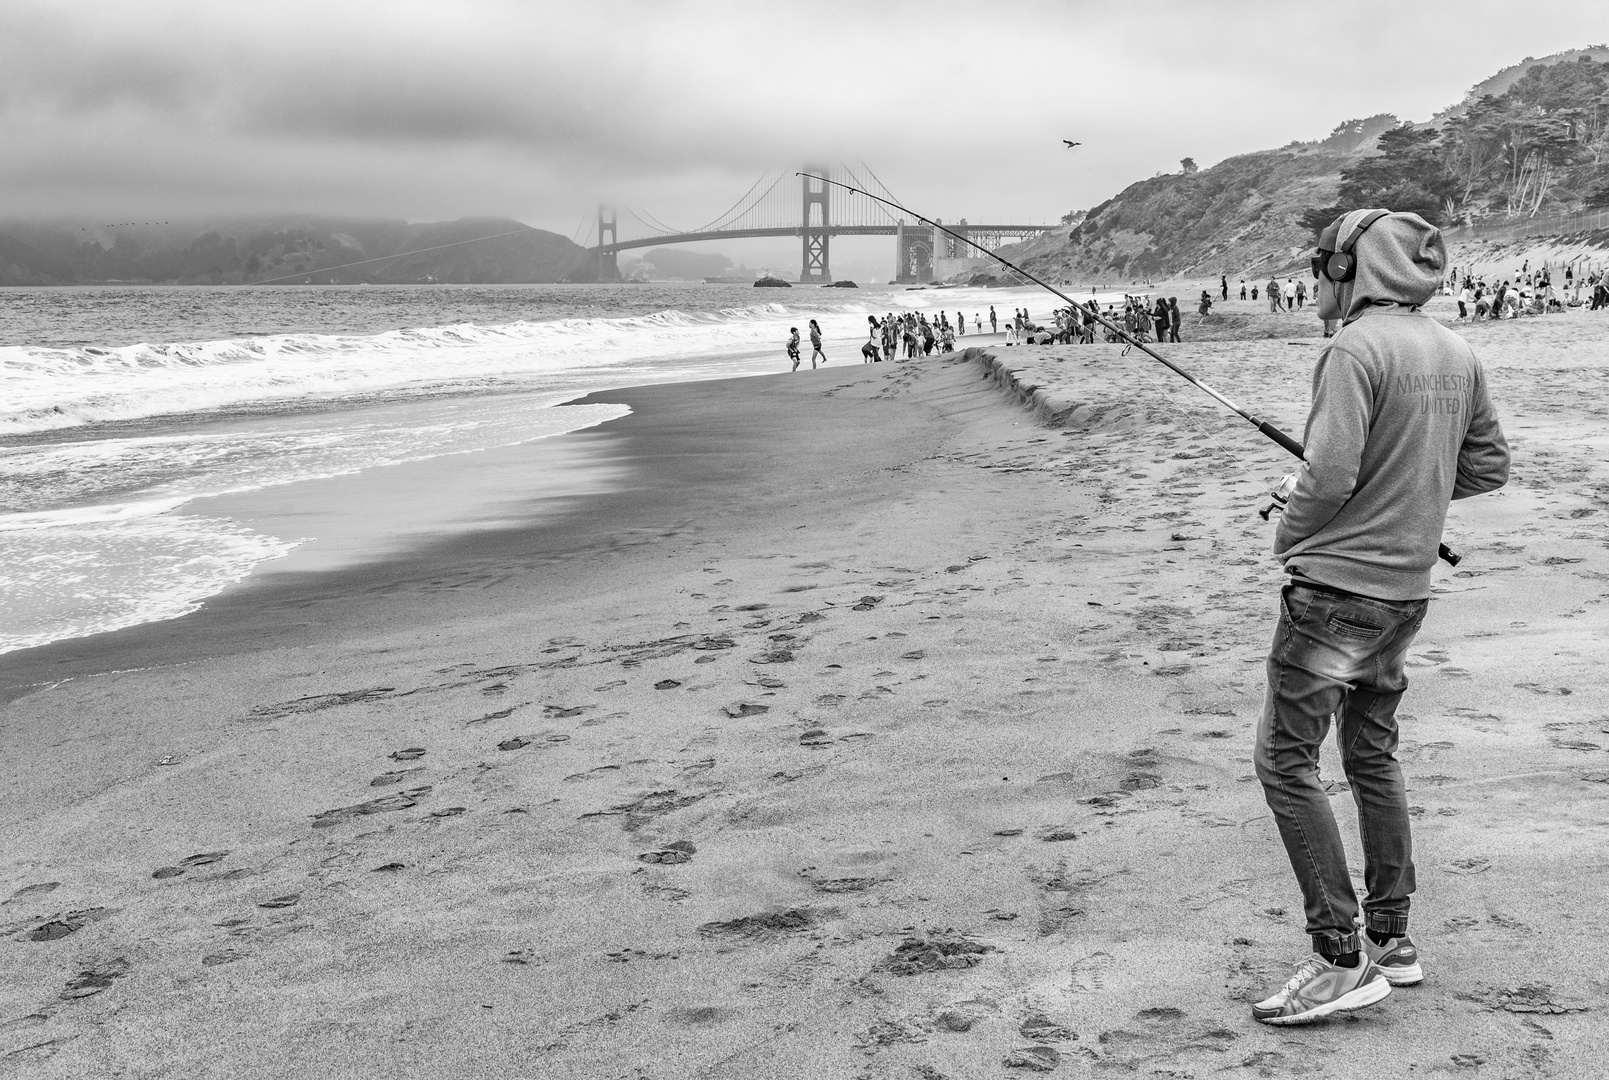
[{"x": 1280, "y": 494}]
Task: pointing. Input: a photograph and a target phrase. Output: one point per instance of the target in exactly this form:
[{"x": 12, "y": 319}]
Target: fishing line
[{"x": 1263, "y": 426}]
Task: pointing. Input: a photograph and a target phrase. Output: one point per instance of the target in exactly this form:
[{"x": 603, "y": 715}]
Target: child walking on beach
[
  {"x": 793, "y": 346},
  {"x": 815, "y": 345},
  {"x": 1400, "y": 424}
]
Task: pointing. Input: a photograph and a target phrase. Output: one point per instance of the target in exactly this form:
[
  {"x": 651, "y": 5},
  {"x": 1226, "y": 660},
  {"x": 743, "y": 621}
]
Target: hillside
[
  {"x": 1531, "y": 140},
  {"x": 287, "y": 250}
]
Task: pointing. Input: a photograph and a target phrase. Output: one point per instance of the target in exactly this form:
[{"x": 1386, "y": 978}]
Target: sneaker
[
  {"x": 1320, "y": 988},
  {"x": 1397, "y": 959}
]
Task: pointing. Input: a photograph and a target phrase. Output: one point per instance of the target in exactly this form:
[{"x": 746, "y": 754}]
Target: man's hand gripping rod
[{"x": 1257, "y": 422}]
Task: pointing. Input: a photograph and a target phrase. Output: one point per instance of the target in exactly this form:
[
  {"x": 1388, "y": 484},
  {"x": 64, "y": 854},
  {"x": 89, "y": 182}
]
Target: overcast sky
[{"x": 538, "y": 110}]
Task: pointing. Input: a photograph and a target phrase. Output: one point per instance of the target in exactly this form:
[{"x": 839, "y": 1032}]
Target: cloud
[{"x": 538, "y": 110}]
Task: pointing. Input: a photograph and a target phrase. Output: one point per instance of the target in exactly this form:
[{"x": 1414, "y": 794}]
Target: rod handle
[
  {"x": 1280, "y": 437},
  {"x": 1449, "y": 556}
]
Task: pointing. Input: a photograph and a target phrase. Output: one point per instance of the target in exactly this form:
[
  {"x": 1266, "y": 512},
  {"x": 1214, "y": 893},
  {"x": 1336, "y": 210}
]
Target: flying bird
[{"x": 1070, "y": 143}]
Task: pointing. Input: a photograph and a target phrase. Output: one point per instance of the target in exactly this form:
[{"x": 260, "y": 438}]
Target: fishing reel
[{"x": 1281, "y": 495}]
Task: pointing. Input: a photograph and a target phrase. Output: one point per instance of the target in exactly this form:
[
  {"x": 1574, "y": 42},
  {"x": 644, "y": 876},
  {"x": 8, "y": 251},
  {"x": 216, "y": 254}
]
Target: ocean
[{"x": 120, "y": 406}]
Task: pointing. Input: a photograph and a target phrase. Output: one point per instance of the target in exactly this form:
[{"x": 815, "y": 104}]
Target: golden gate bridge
[{"x": 781, "y": 203}]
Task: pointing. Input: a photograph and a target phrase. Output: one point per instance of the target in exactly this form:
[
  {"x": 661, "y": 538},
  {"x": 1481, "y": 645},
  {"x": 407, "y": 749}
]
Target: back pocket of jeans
[{"x": 1348, "y": 627}]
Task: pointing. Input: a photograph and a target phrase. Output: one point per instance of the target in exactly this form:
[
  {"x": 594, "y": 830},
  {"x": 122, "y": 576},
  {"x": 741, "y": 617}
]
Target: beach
[{"x": 883, "y": 720}]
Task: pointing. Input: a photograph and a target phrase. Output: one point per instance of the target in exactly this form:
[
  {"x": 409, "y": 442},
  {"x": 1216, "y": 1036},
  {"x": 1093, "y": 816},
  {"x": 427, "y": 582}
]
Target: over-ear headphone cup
[{"x": 1340, "y": 266}]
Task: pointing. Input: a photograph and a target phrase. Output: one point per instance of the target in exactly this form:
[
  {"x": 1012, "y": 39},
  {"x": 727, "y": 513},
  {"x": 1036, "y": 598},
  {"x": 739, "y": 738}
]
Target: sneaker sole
[
  {"x": 1403, "y": 974},
  {"x": 1367, "y": 994}
]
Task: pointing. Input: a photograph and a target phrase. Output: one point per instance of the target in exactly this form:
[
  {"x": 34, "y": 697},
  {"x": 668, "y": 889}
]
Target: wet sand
[{"x": 876, "y": 725}]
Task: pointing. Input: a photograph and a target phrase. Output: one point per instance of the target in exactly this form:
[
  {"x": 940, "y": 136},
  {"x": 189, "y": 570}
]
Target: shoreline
[{"x": 877, "y": 669}]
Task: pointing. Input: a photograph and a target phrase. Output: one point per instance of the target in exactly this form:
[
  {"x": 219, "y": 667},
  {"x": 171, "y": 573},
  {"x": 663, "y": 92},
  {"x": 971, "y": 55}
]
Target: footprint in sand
[
  {"x": 37, "y": 889},
  {"x": 288, "y": 900},
  {"x": 393, "y": 777},
  {"x": 190, "y": 863},
  {"x": 674, "y": 853},
  {"x": 1041, "y": 1028},
  {"x": 59, "y": 926},
  {"x": 1033, "y": 1059},
  {"x": 1470, "y": 866},
  {"x": 92, "y": 981},
  {"x": 1089, "y": 973},
  {"x": 412, "y": 753},
  {"x": 744, "y": 708},
  {"x": 402, "y": 800}
]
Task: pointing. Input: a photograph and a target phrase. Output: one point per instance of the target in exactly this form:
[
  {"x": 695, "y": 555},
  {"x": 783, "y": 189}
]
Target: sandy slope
[{"x": 878, "y": 730}]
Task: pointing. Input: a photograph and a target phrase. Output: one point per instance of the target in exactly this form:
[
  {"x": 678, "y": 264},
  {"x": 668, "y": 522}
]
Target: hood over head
[{"x": 1401, "y": 260}]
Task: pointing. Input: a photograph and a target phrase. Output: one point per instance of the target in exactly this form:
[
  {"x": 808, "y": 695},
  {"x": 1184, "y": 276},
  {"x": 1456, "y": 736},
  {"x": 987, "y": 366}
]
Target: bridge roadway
[{"x": 795, "y": 230}]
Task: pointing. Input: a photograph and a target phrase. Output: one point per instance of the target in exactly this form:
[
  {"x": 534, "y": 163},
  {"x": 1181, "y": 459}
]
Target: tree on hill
[
  {"x": 1188, "y": 166},
  {"x": 1351, "y": 134},
  {"x": 1541, "y": 145},
  {"x": 1407, "y": 175}
]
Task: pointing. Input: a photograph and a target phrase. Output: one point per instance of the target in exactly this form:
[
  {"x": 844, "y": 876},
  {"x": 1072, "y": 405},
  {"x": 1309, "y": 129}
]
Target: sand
[{"x": 874, "y": 725}]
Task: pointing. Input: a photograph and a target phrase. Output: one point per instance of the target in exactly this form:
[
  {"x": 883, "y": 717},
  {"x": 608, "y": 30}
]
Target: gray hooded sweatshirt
[{"x": 1400, "y": 424}]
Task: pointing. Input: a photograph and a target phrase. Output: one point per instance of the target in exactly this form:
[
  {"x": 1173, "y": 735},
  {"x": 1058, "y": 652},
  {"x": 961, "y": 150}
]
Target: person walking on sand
[
  {"x": 1223, "y": 284},
  {"x": 1273, "y": 294},
  {"x": 1301, "y": 295},
  {"x": 1401, "y": 423},
  {"x": 1290, "y": 295},
  {"x": 960, "y": 325},
  {"x": 1160, "y": 317},
  {"x": 994, "y": 325},
  {"x": 1243, "y": 289},
  {"x": 793, "y": 346},
  {"x": 1174, "y": 318},
  {"x": 815, "y": 345}
]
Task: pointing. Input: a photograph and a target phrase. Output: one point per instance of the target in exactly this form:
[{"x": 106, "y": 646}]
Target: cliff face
[
  {"x": 289, "y": 250},
  {"x": 1241, "y": 216}
]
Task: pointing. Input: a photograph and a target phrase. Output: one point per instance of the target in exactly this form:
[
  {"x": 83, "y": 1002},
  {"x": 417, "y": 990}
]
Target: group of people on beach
[
  {"x": 1527, "y": 292},
  {"x": 1292, "y": 296},
  {"x": 906, "y": 335},
  {"x": 815, "y": 345}
]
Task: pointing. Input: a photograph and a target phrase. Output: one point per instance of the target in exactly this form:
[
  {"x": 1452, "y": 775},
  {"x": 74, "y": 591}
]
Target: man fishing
[{"x": 1400, "y": 424}]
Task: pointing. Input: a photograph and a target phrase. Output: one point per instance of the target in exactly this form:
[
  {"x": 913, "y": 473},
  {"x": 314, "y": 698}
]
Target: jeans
[{"x": 1340, "y": 656}]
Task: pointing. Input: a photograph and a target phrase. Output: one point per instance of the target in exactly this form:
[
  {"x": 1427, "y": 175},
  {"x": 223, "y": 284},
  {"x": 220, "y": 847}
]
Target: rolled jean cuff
[
  {"x": 1338, "y": 945},
  {"x": 1392, "y": 925}
]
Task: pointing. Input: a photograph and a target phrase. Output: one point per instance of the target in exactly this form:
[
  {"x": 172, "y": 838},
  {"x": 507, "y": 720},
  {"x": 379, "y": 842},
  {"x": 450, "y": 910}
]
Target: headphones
[{"x": 1342, "y": 265}]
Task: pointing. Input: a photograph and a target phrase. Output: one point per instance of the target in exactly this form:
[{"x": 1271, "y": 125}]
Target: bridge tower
[
  {"x": 608, "y": 270},
  {"x": 914, "y": 252},
  {"x": 813, "y": 228}
]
